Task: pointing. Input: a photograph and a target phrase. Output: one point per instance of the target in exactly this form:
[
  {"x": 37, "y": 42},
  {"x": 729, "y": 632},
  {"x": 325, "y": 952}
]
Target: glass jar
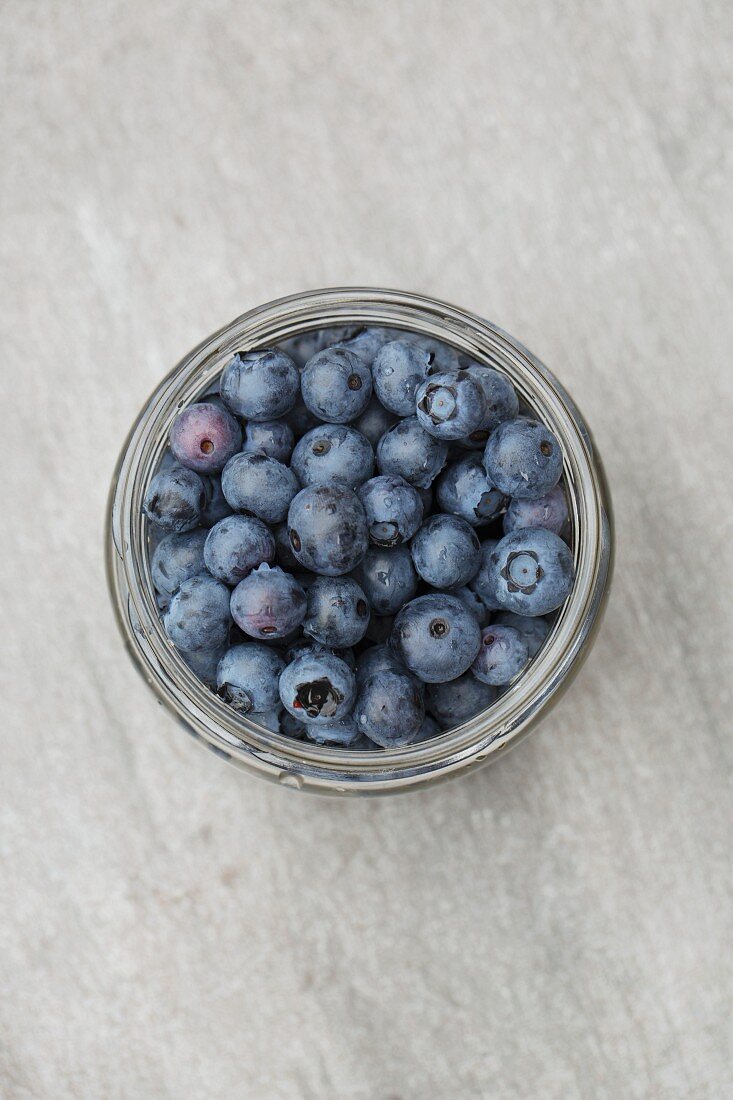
[{"x": 302, "y": 764}]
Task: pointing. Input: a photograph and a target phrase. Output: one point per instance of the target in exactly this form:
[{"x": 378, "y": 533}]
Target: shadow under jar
[{"x": 302, "y": 764}]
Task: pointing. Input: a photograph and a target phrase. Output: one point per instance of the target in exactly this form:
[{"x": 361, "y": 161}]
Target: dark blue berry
[
  {"x": 327, "y": 529},
  {"x": 336, "y": 385},
  {"x": 436, "y": 636},
  {"x": 464, "y": 490},
  {"x": 389, "y": 708},
  {"x": 398, "y": 370},
  {"x": 533, "y": 629},
  {"x": 337, "y": 613},
  {"x": 549, "y": 511},
  {"x": 204, "y": 438},
  {"x": 375, "y": 421},
  {"x": 268, "y": 603},
  {"x": 530, "y": 571},
  {"x": 446, "y": 551},
  {"x": 502, "y": 656},
  {"x": 259, "y": 485},
  {"x": 378, "y": 658},
  {"x": 333, "y": 454},
  {"x": 408, "y": 451},
  {"x": 461, "y": 699},
  {"x": 450, "y": 406},
  {"x": 273, "y": 438},
  {"x": 247, "y": 677},
  {"x": 198, "y": 617},
  {"x": 388, "y": 578},
  {"x": 260, "y": 385},
  {"x": 175, "y": 499},
  {"x": 317, "y": 688},
  {"x": 176, "y": 559},
  {"x": 523, "y": 458},
  {"x": 235, "y": 546}
]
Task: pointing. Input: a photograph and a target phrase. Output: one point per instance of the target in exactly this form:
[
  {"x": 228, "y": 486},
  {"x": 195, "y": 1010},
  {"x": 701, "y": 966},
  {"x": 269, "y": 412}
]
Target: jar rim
[{"x": 305, "y": 764}]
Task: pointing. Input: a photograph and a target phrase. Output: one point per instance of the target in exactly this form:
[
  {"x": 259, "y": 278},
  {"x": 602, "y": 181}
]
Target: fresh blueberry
[
  {"x": 338, "y": 612},
  {"x": 523, "y": 458},
  {"x": 428, "y": 730},
  {"x": 269, "y": 720},
  {"x": 336, "y": 385},
  {"x": 198, "y": 617},
  {"x": 204, "y": 663},
  {"x": 501, "y": 402},
  {"x": 446, "y": 551},
  {"x": 284, "y": 551},
  {"x": 343, "y": 732},
  {"x": 247, "y": 677},
  {"x": 305, "y": 345},
  {"x": 436, "y": 636},
  {"x": 292, "y": 727},
  {"x": 530, "y": 571},
  {"x": 464, "y": 490},
  {"x": 445, "y": 358},
  {"x": 327, "y": 529},
  {"x": 534, "y": 630},
  {"x": 549, "y": 511},
  {"x": 375, "y": 421},
  {"x": 273, "y": 438},
  {"x": 456, "y": 702},
  {"x": 268, "y": 603},
  {"x": 408, "y": 451},
  {"x": 398, "y": 370},
  {"x": 235, "y": 546},
  {"x": 480, "y": 585},
  {"x": 366, "y": 344},
  {"x": 379, "y": 658},
  {"x": 259, "y": 485},
  {"x": 318, "y": 688},
  {"x": 176, "y": 559},
  {"x": 216, "y": 506},
  {"x": 502, "y": 656},
  {"x": 473, "y": 602},
  {"x": 388, "y": 578},
  {"x": 175, "y": 499},
  {"x": 301, "y": 419},
  {"x": 260, "y": 385},
  {"x": 450, "y": 406},
  {"x": 333, "y": 454},
  {"x": 389, "y": 708},
  {"x": 393, "y": 509},
  {"x": 204, "y": 438},
  {"x": 299, "y": 647}
]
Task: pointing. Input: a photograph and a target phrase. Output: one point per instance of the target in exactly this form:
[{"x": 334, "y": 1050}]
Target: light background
[{"x": 557, "y": 926}]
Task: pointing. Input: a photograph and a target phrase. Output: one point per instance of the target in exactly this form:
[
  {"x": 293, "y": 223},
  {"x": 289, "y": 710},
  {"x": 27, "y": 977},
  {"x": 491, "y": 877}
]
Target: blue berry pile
[{"x": 358, "y": 540}]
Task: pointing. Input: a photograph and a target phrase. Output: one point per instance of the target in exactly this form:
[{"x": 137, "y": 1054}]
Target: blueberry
[
  {"x": 464, "y": 490},
  {"x": 456, "y": 702},
  {"x": 408, "y": 451},
  {"x": 337, "y": 731},
  {"x": 502, "y": 656},
  {"x": 333, "y": 454},
  {"x": 366, "y": 344},
  {"x": 299, "y": 647},
  {"x": 260, "y": 385},
  {"x": 473, "y": 602},
  {"x": 204, "y": 438},
  {"x": 446, "y": 551},
  {"x": 436, "y": 636},
  {"x": 481, "y": 585},
  {"x": 260, "y": 485},
  {"x": 338, "y": 612},
  {"x": 450, "y": 406},
  {"x": 389, "y": 708},
  {"x": 301, "y": 419},
  {"x": 204, "y": 663},
  {"x": 284, "y": 551},
  {"x": 268, "y": 603},
  {"x": 534, "y": 630},
  {"x": 427, "y": 731},
  {"x": 530, "y": 571},
  {"x": 268, "y": 720},
  {"x": 318, "y": 688},
  {"x": 235, "y": 546},
  {"x": 176, "y": 559},
  {"x": 216, "y": 506},
  {"x": 336, "y": 385},
  {"x": 398, "y": 370},
  {"x": 549, "y": 511},
  {"x": 501, "y": 402},
  {"x": 523, "y": 458},
  {"x": 327, "y": 529},
  {"x": 198, "y": 617},
  {"x": 379, "y": 658},
  {"x": 388, "y": 578},
  {"x": 291, "y": 727},
  {"x": 175, "y": 499},
  {"x": 247, "y": 677},
  {"x": 375, "y": 421},
  {"x": 273, "y": 438},
  {"x": 445, "y": 358},
  {"x": 393, "y": 509},
  {"x": 305, "y": 345}
]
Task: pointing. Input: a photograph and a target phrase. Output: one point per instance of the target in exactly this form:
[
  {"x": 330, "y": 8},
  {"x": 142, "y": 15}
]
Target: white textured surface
[{"x": 557, "y": 926}]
